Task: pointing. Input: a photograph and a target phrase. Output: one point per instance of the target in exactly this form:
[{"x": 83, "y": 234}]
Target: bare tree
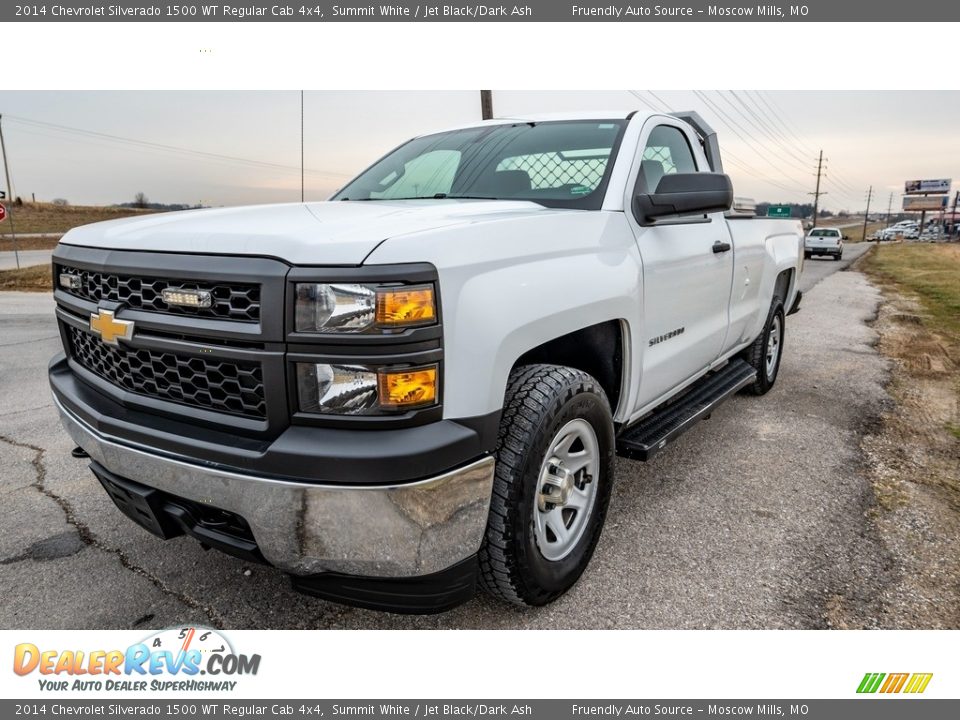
[{"x": 140, "y": 200}]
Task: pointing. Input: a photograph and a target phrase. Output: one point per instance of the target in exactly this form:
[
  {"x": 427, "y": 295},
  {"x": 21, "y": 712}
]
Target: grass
[
  {"x": 856, "y": 233},
  {"x": 30, "y": 279},
  {"x": 49, "y": 218},
  {"x": 929, "y": 271}
]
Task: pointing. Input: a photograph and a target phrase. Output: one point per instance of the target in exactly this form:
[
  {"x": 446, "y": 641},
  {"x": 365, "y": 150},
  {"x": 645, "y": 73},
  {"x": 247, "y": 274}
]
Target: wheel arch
[{"x": 599, "y": 350}]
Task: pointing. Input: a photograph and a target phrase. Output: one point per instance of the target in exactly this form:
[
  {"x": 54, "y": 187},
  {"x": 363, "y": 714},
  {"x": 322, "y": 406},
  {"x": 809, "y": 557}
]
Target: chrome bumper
[{"x": 376, "y": 531}]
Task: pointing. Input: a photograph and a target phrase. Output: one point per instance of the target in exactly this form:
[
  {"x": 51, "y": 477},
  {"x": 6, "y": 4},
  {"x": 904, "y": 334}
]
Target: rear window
[{"x": 824, "y": 233}]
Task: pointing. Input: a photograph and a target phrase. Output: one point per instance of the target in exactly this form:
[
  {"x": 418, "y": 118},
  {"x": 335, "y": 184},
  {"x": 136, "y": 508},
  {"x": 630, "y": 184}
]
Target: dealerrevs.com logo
[
  {"x": 911, "y": 683},
  {"x": 180, "y": 659}
]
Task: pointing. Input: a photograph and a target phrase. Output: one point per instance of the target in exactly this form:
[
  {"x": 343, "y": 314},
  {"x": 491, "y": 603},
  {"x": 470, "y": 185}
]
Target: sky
[{"x": 230, "y": 148}]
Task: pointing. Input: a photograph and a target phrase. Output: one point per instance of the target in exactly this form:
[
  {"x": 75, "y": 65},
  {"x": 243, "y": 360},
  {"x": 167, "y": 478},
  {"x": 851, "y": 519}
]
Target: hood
[{"x": 324, "y": 233}]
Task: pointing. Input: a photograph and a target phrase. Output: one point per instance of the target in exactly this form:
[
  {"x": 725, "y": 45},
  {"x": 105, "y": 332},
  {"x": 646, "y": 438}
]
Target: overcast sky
[{"x": 228, "y": 148}]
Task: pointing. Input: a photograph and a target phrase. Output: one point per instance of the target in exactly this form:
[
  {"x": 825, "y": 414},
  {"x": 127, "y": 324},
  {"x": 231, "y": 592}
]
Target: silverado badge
[{"x": 108, "y": 328}]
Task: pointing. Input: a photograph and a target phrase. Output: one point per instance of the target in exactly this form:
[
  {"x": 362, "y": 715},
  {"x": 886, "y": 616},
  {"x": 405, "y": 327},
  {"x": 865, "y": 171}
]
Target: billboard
[
  {"x": 913, "y": 187},
  {"x": 924, "y": 202}
]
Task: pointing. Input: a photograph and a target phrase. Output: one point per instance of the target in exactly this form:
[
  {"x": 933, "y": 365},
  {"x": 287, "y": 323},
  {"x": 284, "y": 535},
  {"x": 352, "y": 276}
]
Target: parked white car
[
  {"x": 824, "y": 241},
  {"x": 421, "y": 385}
]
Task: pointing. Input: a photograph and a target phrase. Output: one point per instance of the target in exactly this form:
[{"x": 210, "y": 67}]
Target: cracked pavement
[{"x": 754, "y": 519}]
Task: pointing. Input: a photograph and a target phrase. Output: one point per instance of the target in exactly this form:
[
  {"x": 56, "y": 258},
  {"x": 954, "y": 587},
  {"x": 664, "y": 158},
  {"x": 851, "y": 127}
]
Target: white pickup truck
[{"x": 421, "y": 385}]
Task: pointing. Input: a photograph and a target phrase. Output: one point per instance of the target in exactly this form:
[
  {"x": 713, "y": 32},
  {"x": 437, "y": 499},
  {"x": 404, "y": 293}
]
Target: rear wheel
[
  {"x": 765, "y": 352},
  {"x": 555, "y": 455}
]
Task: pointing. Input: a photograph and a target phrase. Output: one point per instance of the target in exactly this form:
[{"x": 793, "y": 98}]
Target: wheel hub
[
  {"x": 555, "y": 486},
  {"x": 566, "y": 489}
]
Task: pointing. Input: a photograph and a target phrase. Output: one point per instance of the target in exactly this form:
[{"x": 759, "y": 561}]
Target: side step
[{"x": 649, "y": 436}]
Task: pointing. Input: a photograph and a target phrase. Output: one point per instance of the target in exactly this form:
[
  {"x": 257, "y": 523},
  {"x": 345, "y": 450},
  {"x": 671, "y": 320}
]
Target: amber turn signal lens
[
  {"x": 406, "y": 306},
  {"x": 400, "y": 389}
]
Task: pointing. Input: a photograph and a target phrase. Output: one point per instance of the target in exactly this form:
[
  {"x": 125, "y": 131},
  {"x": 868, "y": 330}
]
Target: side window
[
  {"x": 424, "y": 176},
  {"x": 667, "y": 151}
]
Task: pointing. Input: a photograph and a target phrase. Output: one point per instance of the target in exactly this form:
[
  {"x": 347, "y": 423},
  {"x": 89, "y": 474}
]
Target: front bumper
[{"x": 375, "y": 531}]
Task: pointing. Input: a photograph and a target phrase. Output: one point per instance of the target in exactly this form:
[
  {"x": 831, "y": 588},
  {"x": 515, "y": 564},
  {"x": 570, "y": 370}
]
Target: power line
[
  {"x": 750, "y": 116},
  {"x": 772, "y": 105},
  {"x": 646, "y": 102},
  {"x": 732, "y": 125},
  {"x": 657, "y": 98},
  {"x": 165, "y": 148}
]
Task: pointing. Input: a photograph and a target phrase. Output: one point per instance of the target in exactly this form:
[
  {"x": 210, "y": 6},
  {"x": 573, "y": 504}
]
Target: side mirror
[
  {"x": 845, "y": 237},
  {"x": 685, "y": 194}
]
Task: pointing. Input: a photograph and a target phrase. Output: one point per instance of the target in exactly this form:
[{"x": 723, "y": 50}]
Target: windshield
[
  {"x": 825, "y": 233},
  {"x": 558, "y": 164}
]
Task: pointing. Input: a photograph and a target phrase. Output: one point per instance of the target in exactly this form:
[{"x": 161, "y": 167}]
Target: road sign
[
  {"x": 3, "y": 213},
  {"x": 779, "y": 211},
  {"x": 3, "y": 194}
]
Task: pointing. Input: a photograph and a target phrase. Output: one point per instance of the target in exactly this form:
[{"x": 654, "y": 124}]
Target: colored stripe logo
[{"x": 913, "y": 683}]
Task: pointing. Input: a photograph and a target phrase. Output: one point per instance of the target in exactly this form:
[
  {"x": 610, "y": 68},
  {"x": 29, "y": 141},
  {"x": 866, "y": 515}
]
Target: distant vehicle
[
  {"x": 904, "y": 228},
  {"x": 824, "y": 241}
]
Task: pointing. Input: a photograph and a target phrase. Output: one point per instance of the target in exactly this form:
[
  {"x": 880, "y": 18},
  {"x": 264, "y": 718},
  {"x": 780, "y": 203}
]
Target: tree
[
  {"x": 61, "y": 202},
  {"x": 140, "y": 201}
]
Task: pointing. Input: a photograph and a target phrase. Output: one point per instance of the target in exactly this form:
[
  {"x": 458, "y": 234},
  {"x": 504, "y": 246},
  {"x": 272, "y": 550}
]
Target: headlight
[
  {"x": 361, "y": 390},
  {"x": 356, "y": 308}
]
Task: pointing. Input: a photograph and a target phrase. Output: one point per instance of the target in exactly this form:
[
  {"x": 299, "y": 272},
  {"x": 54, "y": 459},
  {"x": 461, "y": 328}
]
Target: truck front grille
[
  {"x": 226, "y": 386},
  {"x": 231, "y": 301}
]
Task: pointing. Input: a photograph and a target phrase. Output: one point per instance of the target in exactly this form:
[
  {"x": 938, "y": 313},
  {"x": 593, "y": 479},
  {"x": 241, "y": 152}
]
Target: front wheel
[
  {"x": 554, "y": 473},
  {"x": 765, "y": 352}
]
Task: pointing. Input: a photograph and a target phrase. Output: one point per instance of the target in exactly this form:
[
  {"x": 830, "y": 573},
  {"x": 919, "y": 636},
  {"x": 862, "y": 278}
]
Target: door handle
[{"x": 719, "y": 247}]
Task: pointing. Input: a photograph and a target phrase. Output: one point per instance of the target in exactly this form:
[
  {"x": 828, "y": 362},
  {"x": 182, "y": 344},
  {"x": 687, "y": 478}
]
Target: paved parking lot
[{"x": 755, "y": 519}]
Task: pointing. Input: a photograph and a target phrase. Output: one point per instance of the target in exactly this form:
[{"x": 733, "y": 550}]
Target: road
[
  {"x": 8, "y": 260},
  {"x": 754, "y": 519},
  {"x": 818, "y": 267}
]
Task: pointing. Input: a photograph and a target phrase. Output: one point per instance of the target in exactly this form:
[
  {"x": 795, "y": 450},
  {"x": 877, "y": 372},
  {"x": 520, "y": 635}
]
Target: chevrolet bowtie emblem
[{"x": 104, "y": 324}]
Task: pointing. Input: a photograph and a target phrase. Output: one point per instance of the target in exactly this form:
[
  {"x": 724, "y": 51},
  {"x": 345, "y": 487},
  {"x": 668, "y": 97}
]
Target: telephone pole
[
  {"x": 816, "y": 193},
  {"x": 889, "y": 208},
  {"x": 486, "y": 104},
  {"x": 6, "y": 171},
  {"x": 866, "y": 213},
  {"x": 302, "y": 192}
]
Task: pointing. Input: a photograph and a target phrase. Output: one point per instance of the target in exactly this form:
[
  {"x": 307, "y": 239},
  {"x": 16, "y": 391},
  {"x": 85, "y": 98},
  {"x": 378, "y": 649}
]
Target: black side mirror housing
[{"x": 681, "y": 194}]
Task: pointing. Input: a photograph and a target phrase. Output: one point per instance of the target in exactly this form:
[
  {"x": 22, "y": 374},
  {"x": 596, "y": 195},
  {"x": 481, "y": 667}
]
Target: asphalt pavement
[
  {"x": 754, "y": 519},
  {"x": 8, "y": 259}
]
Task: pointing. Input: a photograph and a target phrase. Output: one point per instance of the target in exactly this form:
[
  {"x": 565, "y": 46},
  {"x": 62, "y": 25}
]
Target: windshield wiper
[
  {"x": 445, "y": 196},
  {"x": 437, "y": 196}
]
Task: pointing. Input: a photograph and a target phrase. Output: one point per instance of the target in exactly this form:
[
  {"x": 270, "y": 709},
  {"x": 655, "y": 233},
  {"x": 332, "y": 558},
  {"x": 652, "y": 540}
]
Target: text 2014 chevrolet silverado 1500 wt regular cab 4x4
[{"x": 422, "y": 383}]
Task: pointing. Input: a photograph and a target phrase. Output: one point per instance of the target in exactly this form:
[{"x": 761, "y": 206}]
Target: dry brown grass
[
  {"x": 49, "y": 218},
  {"x": 31, "y": 279}
]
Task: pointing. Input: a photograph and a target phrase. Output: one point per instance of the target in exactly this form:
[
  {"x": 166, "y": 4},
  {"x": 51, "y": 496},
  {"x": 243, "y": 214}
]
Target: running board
[{"x": 649, "y": 436}]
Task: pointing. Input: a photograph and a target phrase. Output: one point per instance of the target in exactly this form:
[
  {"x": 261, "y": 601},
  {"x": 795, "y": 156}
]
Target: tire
[
  {"x": 757, "y": 355},
  {"x": 838, "y": 256},
  {"x": 807, "y": 256},
  {"x": 518, "y": 561}
]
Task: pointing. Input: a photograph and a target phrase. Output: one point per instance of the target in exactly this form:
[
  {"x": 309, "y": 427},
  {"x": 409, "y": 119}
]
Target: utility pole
[
  {"x": 486, "y": 104},
  {"x": 301, "y": 148},
  {"x": 6, "y": 170},
  {"x": 889, "y": 208},
  {"x": 866, "y": 213},
  {"x": 816, "y": 193}
]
